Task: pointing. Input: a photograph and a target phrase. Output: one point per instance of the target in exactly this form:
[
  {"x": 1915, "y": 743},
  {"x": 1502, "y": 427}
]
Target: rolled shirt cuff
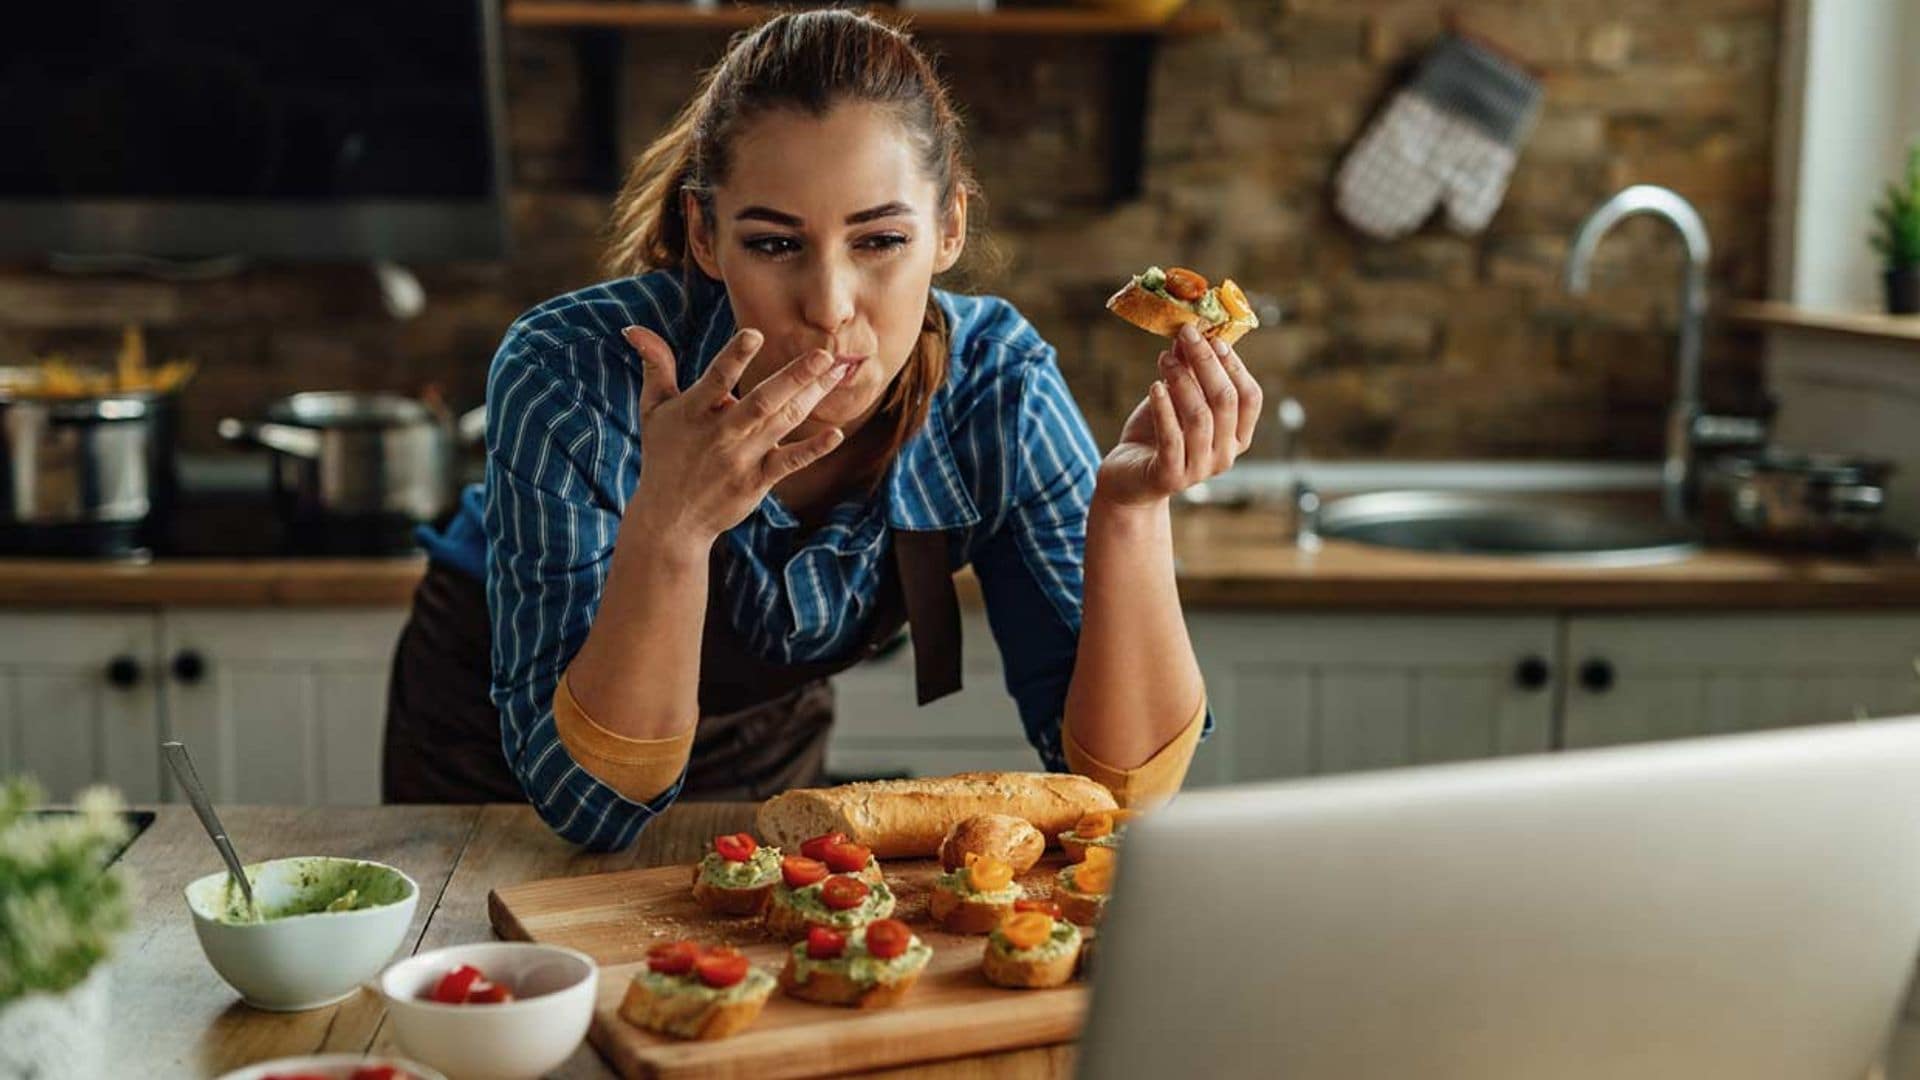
[
  {"x": 639, "y": 769},
  {"x": 1153, "y": 781}
]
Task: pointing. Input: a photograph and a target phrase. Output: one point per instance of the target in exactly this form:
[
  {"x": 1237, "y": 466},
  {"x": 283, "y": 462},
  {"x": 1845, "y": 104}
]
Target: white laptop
[{"x": 1736, "y": 906}]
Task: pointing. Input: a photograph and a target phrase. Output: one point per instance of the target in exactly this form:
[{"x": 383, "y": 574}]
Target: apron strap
[{"x": 933, "y": 611}]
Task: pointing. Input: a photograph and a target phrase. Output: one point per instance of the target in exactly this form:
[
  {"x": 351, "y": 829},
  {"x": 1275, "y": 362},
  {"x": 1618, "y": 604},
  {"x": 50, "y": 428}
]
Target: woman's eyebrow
[{"x": 767, "y": 213}]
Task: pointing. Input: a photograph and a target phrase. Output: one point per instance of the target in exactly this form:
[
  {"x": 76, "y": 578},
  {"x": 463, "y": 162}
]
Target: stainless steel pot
[
  {"x": 1784, "y": 498},
  {"x": 83, "y": 475},
  {"x": 342, "y": 456}
]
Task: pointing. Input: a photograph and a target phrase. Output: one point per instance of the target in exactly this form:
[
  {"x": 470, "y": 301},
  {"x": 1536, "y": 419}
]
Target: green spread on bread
[
  {"x": 877, "y": 904},
  {"x": 861, "y": 966},
  {"x": 1064, "y": 939},
  {"x": 760, "y": 868}
]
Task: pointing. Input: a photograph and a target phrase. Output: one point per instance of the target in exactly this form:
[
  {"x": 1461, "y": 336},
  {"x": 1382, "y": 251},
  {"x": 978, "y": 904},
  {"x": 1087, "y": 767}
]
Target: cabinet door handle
[
  {"x": 189, "y": 666},
  {"x": 1532, "y": 673},
  {"x": 1597, "y": 675},
  {"x": 123, "y": 673}
]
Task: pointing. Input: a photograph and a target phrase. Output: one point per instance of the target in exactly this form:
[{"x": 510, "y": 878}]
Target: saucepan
[{"x": 341, "y": 456}]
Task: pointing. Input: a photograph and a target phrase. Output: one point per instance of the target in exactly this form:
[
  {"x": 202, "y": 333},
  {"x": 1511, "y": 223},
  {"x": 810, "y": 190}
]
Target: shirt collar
[{"x": 924, "y": 487}]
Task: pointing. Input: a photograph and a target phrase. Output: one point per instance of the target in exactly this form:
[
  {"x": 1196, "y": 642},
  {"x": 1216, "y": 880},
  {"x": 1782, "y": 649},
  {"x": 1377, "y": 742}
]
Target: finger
[
  {"x": 1169, "y": 445},
  {"x": 1196, "y": 419},
  {"x": 1252, "y": 400},
  {"x": 660, "y": 377},
  {"x": 789, "y": 458},
  {"x": 728, "y": 365},
  {"x": 1222, "y": 398},
  {"x": 764, "y": 403}
]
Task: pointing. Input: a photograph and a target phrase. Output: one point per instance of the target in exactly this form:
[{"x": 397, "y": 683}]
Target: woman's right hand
[{"x": 708, "y": 457}]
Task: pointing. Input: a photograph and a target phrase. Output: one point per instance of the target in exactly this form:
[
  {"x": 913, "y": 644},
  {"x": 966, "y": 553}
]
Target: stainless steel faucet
[
  {"x": 1303, "y": 502},
  {"x": 1689, "y": 428}
]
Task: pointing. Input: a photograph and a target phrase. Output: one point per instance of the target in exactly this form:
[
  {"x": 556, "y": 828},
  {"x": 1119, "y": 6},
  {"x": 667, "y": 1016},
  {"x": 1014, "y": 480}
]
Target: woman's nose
[{"x": 829, "y": 298}]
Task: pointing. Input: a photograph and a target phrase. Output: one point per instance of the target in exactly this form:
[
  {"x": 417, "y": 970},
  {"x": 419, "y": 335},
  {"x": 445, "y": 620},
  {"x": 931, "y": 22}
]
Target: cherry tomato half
[
  {"x": 799, "y": 871},
  {"x": 453, "y": 986},
  {"x": 816, "y": 848},
  {"x": 824, "y": 942},
  {"x": 841, "y": 892},
  {"x": 846, "y": 857},
  {"x": 888, "y": 938},
  {"x": 672, "y": 957}
]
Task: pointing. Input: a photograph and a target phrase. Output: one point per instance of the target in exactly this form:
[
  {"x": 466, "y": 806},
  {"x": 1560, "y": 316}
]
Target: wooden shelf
[
  {"x": 635, "y": 14},
  {"x": 1862, "y": 324}
]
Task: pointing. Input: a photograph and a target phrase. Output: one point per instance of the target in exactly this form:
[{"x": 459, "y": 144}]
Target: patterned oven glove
[{"x": 1450, "y": 135}]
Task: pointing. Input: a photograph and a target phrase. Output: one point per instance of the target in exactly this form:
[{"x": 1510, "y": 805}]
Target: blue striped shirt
[{"x": 1005, "y": 459}]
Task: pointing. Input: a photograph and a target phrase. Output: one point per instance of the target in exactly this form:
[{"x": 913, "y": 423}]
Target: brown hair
[{"x": 811, "y": 61}]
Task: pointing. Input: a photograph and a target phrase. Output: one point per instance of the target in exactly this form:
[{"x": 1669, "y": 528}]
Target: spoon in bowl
[{"x": 176, "y": 754}]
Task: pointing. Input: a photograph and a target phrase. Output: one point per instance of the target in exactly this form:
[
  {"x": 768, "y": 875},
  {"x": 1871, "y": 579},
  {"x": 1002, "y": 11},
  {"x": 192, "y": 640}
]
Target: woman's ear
[
  {"x": 699, "y": 236},
  {"x": 953, "y": 233}
]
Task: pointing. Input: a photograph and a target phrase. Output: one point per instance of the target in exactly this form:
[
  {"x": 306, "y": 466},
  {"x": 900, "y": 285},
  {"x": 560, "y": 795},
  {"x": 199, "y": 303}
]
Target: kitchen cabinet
[
  {"x": 1302, "y": 693},
  {"x": 276, "y": 706},
  {"x": 281, "y": 707},
  {"x": 1309, "y": 693},
  {"x": 79, "y": 702},
  {"x": 1633, "y": 678},
  {"x": 879, "y": 731}
]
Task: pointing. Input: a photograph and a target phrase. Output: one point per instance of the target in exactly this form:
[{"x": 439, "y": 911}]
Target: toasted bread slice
[
  {"x": 961, "y": 914},
  {"x": 1157, "y": 314},
  {"x": 1081, "y": 909},
  {"x": 691, "y": 1016},
  {"x": 1076, "y": 848},
  {"x": 789, "y": 923},
  {"x": 1021, "y": 973},
  {"x": 724, "y": 901},
  {"x": 837, "y": 988}
]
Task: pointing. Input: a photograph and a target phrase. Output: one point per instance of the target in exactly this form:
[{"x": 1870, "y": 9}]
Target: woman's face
[{"x": 826, "y": 235}]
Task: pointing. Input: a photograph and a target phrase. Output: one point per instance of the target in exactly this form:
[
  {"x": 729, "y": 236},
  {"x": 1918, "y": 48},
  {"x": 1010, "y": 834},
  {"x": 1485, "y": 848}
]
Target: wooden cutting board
[{"x": 951, "y": 1012}]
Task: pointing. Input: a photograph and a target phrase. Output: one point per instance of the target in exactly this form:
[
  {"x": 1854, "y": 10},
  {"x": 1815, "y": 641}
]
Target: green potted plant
[
  {"x": 61, "y": 906},
  {"x": 1897, "y": 238}
]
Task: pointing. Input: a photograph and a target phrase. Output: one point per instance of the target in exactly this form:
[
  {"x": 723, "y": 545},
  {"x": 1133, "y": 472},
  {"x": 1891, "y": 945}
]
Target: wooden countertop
[
  {"x": 1226, "y": 559},
  {"x": 173, "y": 1017},
  {"x": 1860, "y": 324},
  {"x": 1243, "y": 559},
  {"x": 288, "y": 582}
]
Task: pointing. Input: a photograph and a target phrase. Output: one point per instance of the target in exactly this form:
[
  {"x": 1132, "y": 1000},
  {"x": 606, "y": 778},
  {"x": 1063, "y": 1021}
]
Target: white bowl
[
  {"x": 302, "y": 961},
  {"x": 553, "y": 990},
  {"x": 331, "y": 1066}
]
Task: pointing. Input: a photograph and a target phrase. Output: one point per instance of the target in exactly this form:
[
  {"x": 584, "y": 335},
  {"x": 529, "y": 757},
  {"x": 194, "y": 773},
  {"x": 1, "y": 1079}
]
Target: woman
[{"x": 715, "y": 482}]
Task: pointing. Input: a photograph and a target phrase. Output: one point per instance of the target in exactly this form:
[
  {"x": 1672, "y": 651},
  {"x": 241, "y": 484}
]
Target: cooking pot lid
[
  {"x": 341, "y": 408},
  {"x": 1828, "y": 468}
]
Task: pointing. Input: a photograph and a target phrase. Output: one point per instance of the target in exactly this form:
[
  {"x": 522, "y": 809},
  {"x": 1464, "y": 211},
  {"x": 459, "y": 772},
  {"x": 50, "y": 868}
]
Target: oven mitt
[{"x": 1449, "y": 137}]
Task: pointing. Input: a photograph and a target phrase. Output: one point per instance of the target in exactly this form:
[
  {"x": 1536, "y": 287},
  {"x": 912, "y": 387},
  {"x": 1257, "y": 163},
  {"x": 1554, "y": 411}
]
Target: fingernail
[
  {"x": 1166, "y": 360},
  {"x": 839, "y": 371},
  {"x": 1221, "y": 348},
  {"x": 1188, "y": 333},
  {"x": 629, "y": 332},
  {"x": 750, "y": 338}
]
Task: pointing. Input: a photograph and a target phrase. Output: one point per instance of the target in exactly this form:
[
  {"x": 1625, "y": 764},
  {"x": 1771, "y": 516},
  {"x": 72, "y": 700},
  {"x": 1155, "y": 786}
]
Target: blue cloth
[{"x": 1005, "y": 459}]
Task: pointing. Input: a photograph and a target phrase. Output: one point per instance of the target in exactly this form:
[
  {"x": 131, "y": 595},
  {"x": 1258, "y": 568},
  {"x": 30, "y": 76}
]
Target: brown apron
[{"x": 763, "y": 726}]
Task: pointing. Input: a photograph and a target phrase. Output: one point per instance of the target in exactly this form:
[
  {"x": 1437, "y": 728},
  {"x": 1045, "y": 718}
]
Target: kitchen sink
[{"x": 1528, "y": 525}]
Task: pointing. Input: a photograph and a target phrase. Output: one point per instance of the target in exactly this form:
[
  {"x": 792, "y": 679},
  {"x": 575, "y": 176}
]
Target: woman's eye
[
  {"x": 774, "y": 246},
  {"x": 884, "y": 242}
]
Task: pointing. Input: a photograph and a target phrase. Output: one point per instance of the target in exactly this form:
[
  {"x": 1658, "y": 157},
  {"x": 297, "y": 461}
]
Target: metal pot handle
[
  {"x": 472, "y": 426},
  {"x": 1858, "y": 497},
  {"x": 297, "y": 441}
]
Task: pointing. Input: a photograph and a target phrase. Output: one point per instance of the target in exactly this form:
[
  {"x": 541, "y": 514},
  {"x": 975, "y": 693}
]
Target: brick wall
[{"x": 1436, "y": 346}]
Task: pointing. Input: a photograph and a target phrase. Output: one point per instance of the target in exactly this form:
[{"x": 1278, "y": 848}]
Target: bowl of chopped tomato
[
  {"x": 335, "y": 1067},
  {"x": 498, "y": 1010}
]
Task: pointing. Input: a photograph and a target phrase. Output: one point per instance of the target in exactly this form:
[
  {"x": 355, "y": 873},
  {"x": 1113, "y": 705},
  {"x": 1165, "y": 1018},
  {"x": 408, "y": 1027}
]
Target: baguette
[{"x": 910, "y": 818}]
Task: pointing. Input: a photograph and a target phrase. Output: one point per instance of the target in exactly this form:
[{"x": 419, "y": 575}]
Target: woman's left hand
[{"x": 1196, "y": 419}]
